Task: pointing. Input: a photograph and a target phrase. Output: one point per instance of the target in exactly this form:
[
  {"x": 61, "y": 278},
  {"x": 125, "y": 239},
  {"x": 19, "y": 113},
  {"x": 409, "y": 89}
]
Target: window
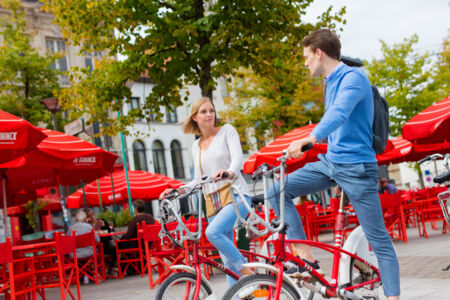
[
  {"x": 54, "y": 46},
  {"x": 89, "y": 59},
  {"x": 177, "y": 159},
  {"x": 134, "y": 104},
  {"x": 140, "y": 160},
  {"x": 159, "y": 159},
  {"x": 171, "y": 115}
]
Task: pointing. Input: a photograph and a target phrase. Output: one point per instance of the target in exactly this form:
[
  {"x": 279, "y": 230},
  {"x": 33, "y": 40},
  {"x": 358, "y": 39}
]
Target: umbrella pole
[
  {"x": 64, "y": 209},
  {"x": 5, "y": 208},
  {"x": 84, "y": 194},
  {"x": 114, "y": 194},
  {"x": 99, "y": 195},
  {"x": 126, "y": 170}
]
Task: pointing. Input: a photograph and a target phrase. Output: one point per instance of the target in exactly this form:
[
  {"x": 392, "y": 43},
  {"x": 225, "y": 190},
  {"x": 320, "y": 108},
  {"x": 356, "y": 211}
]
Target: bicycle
[
  {"x": 189, "y": 282},
  {"x": 444, "y": 197},
  {"x": 354, "y": 276}
]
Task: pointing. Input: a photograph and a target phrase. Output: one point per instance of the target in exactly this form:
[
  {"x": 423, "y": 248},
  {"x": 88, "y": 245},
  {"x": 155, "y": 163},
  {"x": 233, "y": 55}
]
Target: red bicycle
[
  {"x": 354, "y": 274},
  {"x": 189, "y": 282}
]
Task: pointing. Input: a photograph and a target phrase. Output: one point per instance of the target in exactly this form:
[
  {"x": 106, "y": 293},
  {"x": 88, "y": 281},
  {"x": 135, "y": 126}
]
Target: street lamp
[{"x": 52, "y": 105}]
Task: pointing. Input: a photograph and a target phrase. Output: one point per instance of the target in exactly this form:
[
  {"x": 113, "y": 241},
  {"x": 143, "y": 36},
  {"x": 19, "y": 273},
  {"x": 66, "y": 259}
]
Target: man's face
[{"x": 312, "y": 61}]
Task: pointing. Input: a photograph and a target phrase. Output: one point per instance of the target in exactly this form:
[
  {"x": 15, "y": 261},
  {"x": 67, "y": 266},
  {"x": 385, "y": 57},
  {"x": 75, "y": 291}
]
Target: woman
[{"x": 218, "y": 150}]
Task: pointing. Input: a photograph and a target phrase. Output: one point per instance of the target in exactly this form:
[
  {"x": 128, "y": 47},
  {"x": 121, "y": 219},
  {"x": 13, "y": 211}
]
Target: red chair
[
  {"x": 93, "y": 266},
  {"x": 17, "y": 277},
  {"x": 394, "y": 218},
  {"x": 59, "y": 269},
  {"x": 429, "y": 211},
  {"x": 130, "y": 256},
  {"x": 159, "y": 258}
]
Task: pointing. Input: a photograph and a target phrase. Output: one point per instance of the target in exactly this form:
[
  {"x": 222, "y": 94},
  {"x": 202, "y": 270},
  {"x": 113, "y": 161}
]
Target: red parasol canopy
[
  {"x": 405, "y": 150},
  {"x": 270, "y": 152},
  {"x": 73, "y": 159},
  {"x": 143, "y": 185},
  {"x": 17, "y": 137},
  {"x": 432, "y": 125}
]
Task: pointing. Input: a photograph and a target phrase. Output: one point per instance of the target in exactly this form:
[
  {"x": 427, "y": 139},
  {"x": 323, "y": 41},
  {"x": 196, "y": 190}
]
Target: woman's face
[{"x": 206, "y": 115}]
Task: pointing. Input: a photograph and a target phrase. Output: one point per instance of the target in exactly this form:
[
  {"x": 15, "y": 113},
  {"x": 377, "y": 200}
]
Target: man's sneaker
[{"x": 294, "y": 270}]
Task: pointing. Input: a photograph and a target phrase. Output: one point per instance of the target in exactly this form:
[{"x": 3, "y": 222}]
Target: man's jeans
[
  {"x": 359, "y": 181},
  {"x": 220, "y": 233}
]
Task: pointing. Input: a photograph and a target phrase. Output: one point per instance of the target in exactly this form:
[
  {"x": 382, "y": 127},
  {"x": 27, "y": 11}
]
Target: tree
[
  {"x": 177, "y": 43},
  {"x": 441, "y": 71},
  {"x": 406, "y": 77},
  {"x": 26, "y": 77}
]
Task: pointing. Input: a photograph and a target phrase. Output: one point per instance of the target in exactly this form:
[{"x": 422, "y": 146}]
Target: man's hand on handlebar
[
  {"x": 223, "y": 174},
  {"x": 169, "y": 191},
  {"x": 295, "y": 148}
]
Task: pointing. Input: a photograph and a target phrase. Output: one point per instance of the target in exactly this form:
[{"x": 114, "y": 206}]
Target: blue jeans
[
  {"x": 359, "y": 181},
  {"x": 220, "y": 233}
]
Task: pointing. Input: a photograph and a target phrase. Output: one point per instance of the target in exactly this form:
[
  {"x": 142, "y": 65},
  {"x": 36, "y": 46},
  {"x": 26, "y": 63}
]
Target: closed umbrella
[
  {"x": 143, "y": 185},
  {"x": 432, "y": 125}
]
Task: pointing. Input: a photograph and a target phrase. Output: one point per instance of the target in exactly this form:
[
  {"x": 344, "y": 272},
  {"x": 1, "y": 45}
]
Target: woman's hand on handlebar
[
  {"x": 295, "y": 148},
  {"x": 223, "y": 174},
  {"x": 170, "y": 190}
]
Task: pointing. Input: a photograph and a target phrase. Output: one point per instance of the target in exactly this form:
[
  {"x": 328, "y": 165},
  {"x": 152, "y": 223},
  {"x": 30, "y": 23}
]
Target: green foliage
[
  {"x": 119, "y": 219},
  {"x": 33, "y": 207},
  {"x": 25, "y": 75},
  {"x": 177, "y": 43},
  {"x": 406, "y": 79}
]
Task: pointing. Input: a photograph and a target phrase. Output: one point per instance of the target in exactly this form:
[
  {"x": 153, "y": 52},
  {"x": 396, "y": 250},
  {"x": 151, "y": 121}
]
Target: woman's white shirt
[{"x": 224, "y": 152}]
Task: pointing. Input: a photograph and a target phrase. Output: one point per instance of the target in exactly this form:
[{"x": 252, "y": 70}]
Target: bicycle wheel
[
  {"x": 360, "y": 273},
  {"x": 181, "y": 286},
  {"x": 259, "y": 286}
]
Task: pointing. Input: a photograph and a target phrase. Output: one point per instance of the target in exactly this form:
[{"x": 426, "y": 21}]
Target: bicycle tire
[
  {"x": 174, "y": 287},
  {"x": 357, "y": 275},
  {"x": 258, "y": 286}
]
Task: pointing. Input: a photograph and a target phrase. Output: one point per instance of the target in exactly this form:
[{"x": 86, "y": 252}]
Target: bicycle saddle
[{"x": 442, "y": 178}]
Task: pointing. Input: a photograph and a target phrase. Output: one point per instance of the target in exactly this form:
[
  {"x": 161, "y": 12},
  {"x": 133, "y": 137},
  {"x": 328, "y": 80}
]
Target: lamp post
[{"x": 52, "y": 105}]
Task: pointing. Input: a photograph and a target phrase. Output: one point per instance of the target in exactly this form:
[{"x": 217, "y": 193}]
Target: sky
[{"x": 369, "y": 21}]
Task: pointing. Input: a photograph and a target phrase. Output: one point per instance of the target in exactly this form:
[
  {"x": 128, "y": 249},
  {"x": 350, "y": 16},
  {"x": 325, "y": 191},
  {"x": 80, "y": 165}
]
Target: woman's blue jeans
[
  {"x": 220, "y": 233},
  {"x": 359, "y": 181}
]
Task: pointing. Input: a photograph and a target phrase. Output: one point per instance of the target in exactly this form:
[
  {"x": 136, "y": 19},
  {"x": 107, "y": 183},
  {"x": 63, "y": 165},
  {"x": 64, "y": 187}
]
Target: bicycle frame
[
  {"x": 279, "y": 255},
  {"x": 191, "y": 244}
]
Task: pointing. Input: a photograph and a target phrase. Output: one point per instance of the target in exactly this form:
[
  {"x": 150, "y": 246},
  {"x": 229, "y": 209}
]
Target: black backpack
[{"x": 380, "y": 125}]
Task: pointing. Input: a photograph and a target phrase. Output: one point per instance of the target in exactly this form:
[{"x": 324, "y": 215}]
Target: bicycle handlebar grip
[
  {"x": 442, "y": 178},
  {"x": 423, "y": 160},
  {"x": 307, "y": 147}
]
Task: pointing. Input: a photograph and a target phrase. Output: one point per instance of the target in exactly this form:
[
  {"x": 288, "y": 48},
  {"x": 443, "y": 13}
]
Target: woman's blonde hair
[{"x": 189, "y": 125}]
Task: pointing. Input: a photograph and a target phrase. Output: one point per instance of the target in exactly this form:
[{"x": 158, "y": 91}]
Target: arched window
[
  {"x": 177, "y": 159},
  {"x": 159, "y": 159},
  {"x": 140, "y": 159}
]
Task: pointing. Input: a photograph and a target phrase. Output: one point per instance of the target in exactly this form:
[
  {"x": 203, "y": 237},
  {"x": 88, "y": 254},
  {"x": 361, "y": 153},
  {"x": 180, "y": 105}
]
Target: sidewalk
[{"x": 421, "y": 261}]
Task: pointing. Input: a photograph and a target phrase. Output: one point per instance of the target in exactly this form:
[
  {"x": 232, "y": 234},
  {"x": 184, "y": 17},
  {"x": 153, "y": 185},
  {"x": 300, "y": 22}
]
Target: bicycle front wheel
[
  {"x": 259, "y": 286},
  {"x": 182, "y": 286}
]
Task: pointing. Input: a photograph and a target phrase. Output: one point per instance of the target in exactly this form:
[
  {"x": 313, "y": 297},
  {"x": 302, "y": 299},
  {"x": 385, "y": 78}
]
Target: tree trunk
[{"x": 205, "y": 77}]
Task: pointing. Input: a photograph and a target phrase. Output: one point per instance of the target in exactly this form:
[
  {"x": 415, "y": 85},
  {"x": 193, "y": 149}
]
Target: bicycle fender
[
  {"x": 191, "y": 270},
  {"x": 270, "y": 268}
]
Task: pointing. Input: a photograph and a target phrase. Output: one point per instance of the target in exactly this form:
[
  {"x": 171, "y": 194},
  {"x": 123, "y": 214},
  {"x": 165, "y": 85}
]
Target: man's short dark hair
[
  {"x": 325, "y": 40},
  {"x": 139, "y": 205}
]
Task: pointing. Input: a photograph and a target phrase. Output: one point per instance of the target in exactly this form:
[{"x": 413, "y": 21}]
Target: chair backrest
[
  {"x": 390, "y": 201},
  {"x": 85, "y": 240},
  {"x": 150, "y": 232},
  {"x": 65, "y": 244},
  {"x": 6, "y": 255}
]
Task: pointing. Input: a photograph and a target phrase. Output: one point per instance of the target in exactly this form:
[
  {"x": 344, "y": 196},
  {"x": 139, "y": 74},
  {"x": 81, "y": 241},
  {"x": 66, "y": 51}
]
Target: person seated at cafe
[
  {"x": 81, "y": 226},
  {"x": 101, "y": 225},
  {"x": 140, "y": 216},
  {"x": 385, "y": 185}
]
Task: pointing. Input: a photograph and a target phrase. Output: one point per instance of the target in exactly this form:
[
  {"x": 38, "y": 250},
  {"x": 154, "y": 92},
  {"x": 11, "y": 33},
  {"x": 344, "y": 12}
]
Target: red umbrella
[
  {"x": 270, "y": 152},
  {"x": 17, "y": 137},
  {"x": 73, "y": 159},
  {"x": 405, "y": 150},
  {"x": 432, "y": 125},
  {"x": 143, "y": 185}
]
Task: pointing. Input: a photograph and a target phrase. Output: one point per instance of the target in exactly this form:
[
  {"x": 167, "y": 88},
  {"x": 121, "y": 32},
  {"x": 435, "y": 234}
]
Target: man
[
  {"x": 140, "y": 216},
  {"x": 350, "y": 160},
  {"x": 385, "y": 185}
]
